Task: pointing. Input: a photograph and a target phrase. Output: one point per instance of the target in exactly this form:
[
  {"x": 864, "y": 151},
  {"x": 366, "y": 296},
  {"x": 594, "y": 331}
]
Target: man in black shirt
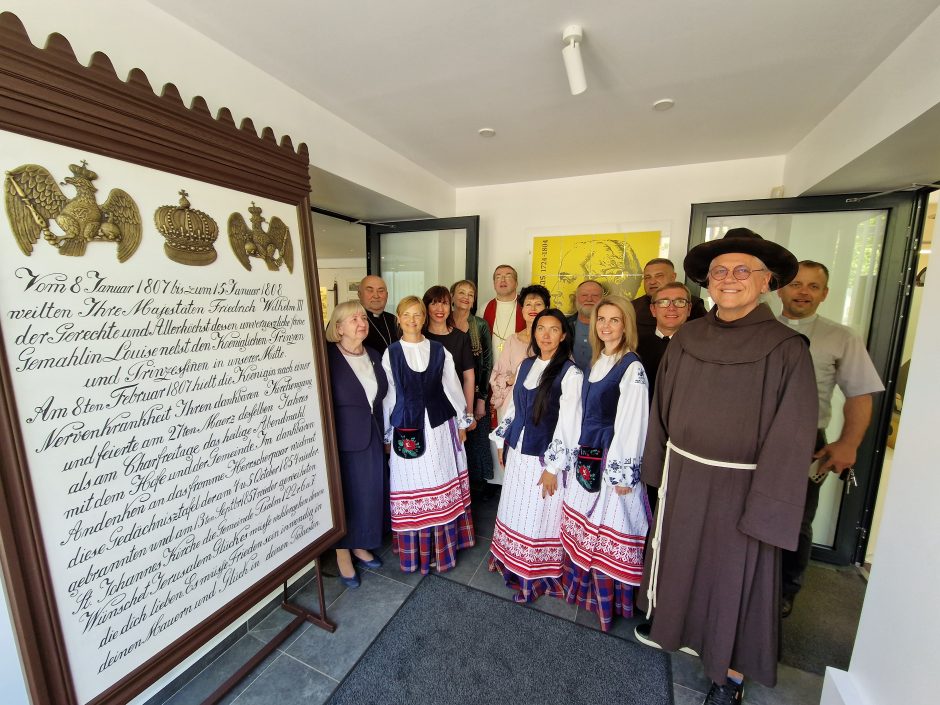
[
  {"x": 383, "y": 326},
  {"x": 670, "y": 310},
  {"x": 656, "y": 274}
]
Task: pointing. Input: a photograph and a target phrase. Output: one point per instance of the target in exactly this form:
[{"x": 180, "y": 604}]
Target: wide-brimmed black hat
[{"x": 778, "y": 259}]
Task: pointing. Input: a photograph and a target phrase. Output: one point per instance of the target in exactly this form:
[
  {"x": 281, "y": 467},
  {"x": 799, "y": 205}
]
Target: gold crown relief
[{"x": 189, "y": 233}]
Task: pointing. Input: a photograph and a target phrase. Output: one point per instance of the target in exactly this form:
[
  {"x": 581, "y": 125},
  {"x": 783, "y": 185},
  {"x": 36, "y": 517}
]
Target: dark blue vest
[
  {"x": 417, "y": 392},
  {"x": 599, "y": 405},
  {"x": 537, "y": 436}
]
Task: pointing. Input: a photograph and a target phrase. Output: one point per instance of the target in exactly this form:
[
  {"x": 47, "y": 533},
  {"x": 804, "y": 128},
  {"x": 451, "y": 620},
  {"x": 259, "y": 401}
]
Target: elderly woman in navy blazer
[{"x": 359, "y": 385}]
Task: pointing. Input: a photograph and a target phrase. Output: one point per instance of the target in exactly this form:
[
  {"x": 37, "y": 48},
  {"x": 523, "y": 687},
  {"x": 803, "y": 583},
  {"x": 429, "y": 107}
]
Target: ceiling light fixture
[
  {"x": 571, "y": 53},
  {"x": 486, "y": 132},
  {"x": 663, "y": 104}
]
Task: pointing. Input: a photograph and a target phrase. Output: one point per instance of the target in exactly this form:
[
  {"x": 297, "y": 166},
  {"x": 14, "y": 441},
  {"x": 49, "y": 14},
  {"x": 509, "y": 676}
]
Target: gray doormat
[
  {"x": 449, "y": 643},
  {"x": 821, "y": 629}
]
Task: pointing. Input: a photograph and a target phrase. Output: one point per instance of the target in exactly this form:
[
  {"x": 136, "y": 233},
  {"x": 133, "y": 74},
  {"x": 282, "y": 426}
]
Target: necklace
[
  {"x": 350, "y": 352},
  {"x": 387, "y": 335},
  {"x": 509, "y": 322}
]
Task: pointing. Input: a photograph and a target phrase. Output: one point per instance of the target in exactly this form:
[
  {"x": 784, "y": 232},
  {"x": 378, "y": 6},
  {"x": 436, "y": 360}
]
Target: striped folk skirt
[{"x": 430, "y": 503}]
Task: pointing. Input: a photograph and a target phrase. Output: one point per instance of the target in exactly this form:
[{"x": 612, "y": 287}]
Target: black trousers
[{"x": 795, "y": 562}]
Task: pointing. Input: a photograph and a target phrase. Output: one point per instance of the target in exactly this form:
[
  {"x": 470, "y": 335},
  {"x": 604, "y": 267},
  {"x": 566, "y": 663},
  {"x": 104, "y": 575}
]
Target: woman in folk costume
[
  {"x": 731, "y": 434},
  {"x": 424, "y": 408},
  {"x": 605, "y": 515},
  {"x": 538, "y": 435}
]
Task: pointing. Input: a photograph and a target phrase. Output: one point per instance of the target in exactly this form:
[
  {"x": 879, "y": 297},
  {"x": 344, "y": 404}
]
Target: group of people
[{"x": 654, "y": 454}]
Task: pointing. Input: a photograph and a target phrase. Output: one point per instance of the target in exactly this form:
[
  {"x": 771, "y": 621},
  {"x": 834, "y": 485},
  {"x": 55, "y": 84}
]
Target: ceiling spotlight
[
  {"x": 486, "y": 132},
  {"x": 572, "y": 56},
  {"x": 663, "y": 105}
]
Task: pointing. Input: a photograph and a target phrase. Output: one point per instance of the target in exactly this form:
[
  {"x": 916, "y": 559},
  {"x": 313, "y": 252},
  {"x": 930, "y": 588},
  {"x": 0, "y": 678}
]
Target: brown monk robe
[{"x": 740, "y": 392}]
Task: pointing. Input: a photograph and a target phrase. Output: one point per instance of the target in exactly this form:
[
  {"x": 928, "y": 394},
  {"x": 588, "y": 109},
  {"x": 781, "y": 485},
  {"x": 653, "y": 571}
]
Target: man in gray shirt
[
  {"x": 839, "y": 357},
  {"x": 586, "y": 296}
]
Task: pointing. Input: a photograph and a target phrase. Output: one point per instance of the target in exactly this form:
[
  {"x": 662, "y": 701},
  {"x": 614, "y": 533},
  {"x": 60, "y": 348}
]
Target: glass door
[
  {"x": 413, "y": 255},
  {"x": 868, "y": 243}
]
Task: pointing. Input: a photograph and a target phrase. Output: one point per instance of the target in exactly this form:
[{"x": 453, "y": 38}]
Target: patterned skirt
[
  {"x": 526, "y": 546},
  {"x": 419, "y": 550},
  {"x": 603, "y": 535},
  {"x": 479, "y": 454},
  {"x": 595, "y": 592},
  {"x": 430, "y": 502}
]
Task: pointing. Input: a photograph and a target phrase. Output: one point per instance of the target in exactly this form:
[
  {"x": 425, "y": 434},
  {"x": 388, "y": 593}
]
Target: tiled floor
[{"x": 311, "y": 663}]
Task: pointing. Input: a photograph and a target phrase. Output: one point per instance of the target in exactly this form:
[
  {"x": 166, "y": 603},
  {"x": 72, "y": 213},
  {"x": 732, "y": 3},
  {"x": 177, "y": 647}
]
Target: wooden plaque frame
[{"x": 45, "y": 93}]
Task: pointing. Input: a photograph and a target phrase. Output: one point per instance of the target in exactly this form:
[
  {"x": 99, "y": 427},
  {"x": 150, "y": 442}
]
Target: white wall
[
  {"x": 895, "y": 653},
  {"x": 902, "y": 88},
  {"x": 511, "y": 213},
  {"x": 138, "y": 35}
]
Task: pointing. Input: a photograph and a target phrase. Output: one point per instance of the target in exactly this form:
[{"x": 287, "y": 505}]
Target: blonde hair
[
  {"x": 629, "y": 340},
  {"x": 408, "y": 302},
  {"x": 453, "y": 288},
  {"x": 342, "y": 311}
]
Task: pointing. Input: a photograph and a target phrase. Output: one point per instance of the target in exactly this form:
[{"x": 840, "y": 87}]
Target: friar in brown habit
[{"x": 731, "y": 430}]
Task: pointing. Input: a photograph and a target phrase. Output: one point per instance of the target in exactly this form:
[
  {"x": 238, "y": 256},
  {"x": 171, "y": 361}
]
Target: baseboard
[{"x": 839, "y": 689}]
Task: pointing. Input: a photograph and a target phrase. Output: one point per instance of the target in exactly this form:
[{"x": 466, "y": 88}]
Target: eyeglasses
[
  {"x": 664, "y": 303},
  {"x": 741, "y": 272}
]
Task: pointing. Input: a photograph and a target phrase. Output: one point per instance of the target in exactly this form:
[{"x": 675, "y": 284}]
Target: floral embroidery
[
  {"x": 409, "y": 442},
  {"x": 559, "y": 455},
  {"x": 503, "y": 427},
  {"x": 623, "y": 472}
]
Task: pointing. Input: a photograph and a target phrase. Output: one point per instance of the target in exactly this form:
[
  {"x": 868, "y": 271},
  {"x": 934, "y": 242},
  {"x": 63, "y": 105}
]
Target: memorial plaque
[{"x": 171, "y": 456}]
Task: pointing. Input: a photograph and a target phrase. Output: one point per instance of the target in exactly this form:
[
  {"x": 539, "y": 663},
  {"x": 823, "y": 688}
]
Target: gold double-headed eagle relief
[
  {"x": 35, "y": 204},
  {"x": 273, "y": 245}
]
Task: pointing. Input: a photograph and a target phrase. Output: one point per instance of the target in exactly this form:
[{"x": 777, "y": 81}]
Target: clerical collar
[
  {"x": 797, "y": 322},
  {"x": 376, "y": 315}
]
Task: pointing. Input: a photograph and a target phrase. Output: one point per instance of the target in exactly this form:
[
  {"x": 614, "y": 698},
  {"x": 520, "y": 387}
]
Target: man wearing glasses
[
  {"x": 670, "y": 309},
  {"x": 656, "y": 274},
  {"x": 731, "y": 430},
  {"x": 503, "y": 314}
]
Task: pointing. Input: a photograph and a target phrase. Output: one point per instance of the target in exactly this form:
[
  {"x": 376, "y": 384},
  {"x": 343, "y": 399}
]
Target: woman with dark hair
[
  {"x": 479, "y": 455},
  {"x": 539, "y": 435},
  {"x": 532, "y": 299},
  {"x": 358, "y": 386},
  {"x": 605, "y": 513},
  {"x": 423, "y": 410},
  {"x": 440, "y": 327}
]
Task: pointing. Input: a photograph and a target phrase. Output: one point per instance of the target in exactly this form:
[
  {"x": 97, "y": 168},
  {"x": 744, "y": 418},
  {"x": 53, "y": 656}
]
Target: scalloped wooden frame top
[{"x": 48, "y": 94}]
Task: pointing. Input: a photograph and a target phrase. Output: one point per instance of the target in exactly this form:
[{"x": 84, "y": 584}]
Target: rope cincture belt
[{"x": 661, "y": 510}]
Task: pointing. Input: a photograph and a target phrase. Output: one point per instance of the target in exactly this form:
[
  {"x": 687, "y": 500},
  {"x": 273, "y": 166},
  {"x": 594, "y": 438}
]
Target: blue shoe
[
  {"x": 376, "y": 562},
  {"x": 352, "y": 582}
]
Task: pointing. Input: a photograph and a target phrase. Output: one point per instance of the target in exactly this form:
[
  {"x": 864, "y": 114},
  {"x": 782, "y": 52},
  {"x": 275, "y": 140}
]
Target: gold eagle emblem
[
  {"x": 273, "y": 245},
  {"x": 35, "y": 203}
]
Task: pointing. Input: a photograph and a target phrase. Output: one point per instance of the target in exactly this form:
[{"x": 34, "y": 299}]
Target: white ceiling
[{"x": 749, "y": 77}]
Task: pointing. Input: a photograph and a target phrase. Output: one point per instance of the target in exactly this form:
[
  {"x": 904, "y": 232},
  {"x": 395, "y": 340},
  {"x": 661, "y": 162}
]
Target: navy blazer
[{"x": 353, "y": 414}]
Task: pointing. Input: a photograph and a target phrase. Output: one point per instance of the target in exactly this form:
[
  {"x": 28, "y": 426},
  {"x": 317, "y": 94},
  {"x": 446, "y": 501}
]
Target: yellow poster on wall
[{"x": 561, "y": 262}]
